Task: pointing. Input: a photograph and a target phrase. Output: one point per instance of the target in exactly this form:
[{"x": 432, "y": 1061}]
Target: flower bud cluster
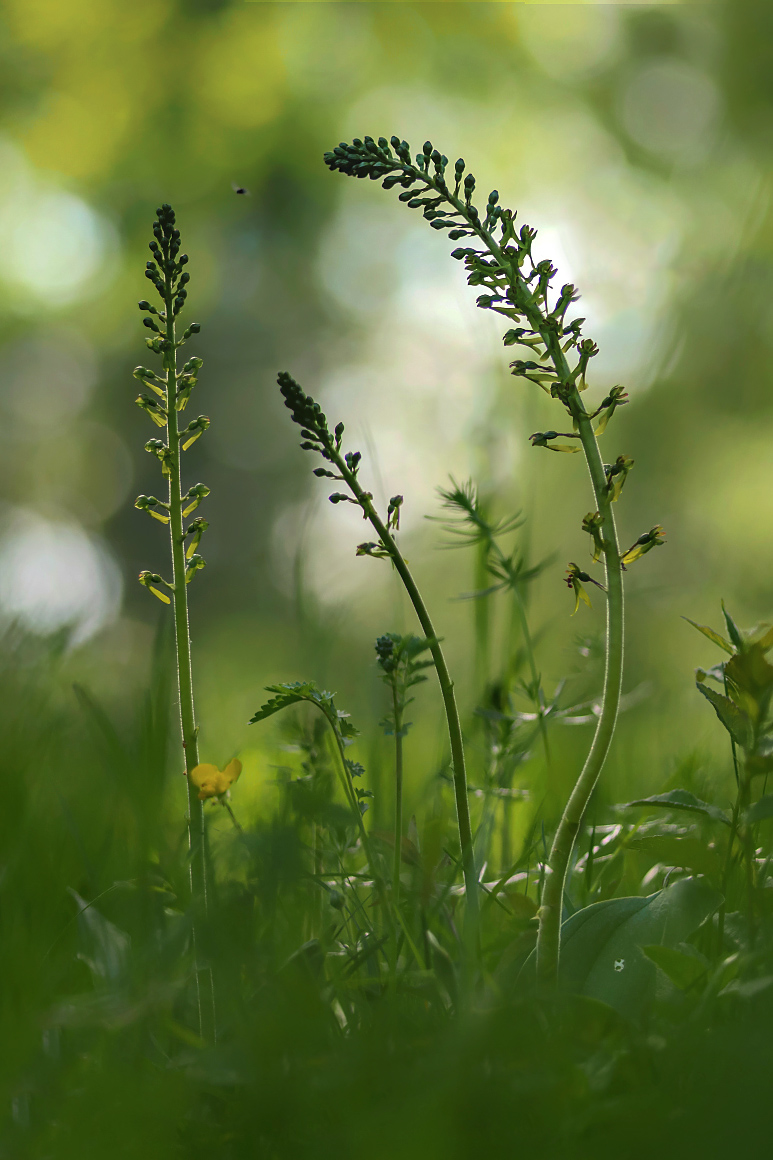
[
  {"x": 514, "y": 284},
  {"x": 172, "y": 391}
]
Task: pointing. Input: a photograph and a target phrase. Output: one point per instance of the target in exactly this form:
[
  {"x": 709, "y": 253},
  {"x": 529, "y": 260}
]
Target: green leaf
[
  {"x": 682, "y": 799},
  {"x": 292, "y": 694},
  {"x": 684, "y": 970},
  {"x": 714, "y": 637},
  {"x": 691, "y": 853},
  {"x": 762, "y": 637},
  {"x": 759, "y": 810},
  {"x": 287, "y": 695},
  {"x": 750, "y": 671},
  {"x": 601, "y": 954},
  {"x": 732, "y": 628},
  {"x": 736, "y": 722}
]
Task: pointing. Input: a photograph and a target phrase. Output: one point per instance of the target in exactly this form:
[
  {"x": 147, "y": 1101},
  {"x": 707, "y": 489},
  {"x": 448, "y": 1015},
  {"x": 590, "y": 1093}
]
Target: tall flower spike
[
  {"x": 171, "y": 391},
  {"x": 499, "y": 260}
]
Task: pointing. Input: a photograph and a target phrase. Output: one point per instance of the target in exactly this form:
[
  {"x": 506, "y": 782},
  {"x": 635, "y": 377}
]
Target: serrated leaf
[
  {"x": 288, "y": 694},
  {"x": 759, "y": 810},
  {"x": 713, "y": 636},
  {"x": 684, "y": 970},
  {"x": 601, "y": 954},
  {"x": 737, "y": 723},
  {"x": 682, "y": 799}
]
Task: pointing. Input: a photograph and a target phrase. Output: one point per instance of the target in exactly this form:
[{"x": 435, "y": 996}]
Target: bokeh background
[{"x": 636, "y": 138}]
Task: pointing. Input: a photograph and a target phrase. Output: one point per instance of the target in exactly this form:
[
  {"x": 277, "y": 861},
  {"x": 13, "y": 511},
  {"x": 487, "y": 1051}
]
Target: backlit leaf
[{"x": 713, "y": 636}]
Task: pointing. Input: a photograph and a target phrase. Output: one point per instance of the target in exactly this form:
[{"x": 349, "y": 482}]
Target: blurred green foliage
[{"x": 638, "y": 140}]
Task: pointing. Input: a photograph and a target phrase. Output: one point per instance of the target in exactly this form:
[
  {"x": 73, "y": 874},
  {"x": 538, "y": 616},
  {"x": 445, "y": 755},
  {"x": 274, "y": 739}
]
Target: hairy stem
[{"x": 196, "y": 835}]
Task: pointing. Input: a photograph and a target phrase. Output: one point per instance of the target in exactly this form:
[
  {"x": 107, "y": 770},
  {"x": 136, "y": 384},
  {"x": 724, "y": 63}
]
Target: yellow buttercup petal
[{"x": 214, "y": 782}]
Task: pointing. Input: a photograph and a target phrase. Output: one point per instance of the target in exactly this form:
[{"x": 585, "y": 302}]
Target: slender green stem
[
  {"x": 196, "y": 833},
  {"x": 351, "y": 797},
  {"x": 447, "y": 693},
  {"x": 726, "y": 871},
  {"x": 549, "y": 937},
  {"x": 398, "y": 722}
]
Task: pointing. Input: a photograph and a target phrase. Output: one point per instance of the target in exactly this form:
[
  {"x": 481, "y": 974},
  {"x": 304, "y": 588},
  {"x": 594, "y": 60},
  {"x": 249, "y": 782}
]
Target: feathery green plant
[
  {"x": 172, "y": 389},
  {"x": 519, "y": 288}
]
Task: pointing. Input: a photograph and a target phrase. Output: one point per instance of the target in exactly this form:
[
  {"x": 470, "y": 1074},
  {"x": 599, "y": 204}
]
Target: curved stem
[
  {"x": 447, "y": 693},
  {"x": 549, "y": 937}
]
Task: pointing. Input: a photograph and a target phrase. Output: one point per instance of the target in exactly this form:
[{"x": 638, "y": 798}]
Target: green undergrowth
[
  {"x": 354, "y": 967},
  {"x": 319, "y": 1051}
]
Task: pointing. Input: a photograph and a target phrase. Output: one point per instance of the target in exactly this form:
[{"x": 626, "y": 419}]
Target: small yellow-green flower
[{"x": 214, "y": 782}]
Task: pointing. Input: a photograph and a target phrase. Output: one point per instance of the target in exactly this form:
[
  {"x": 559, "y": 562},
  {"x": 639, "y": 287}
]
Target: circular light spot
[
  {"x": 569, "y": 42},
  {"x": 54, "y": 575},
  {"x": 47, "y": 378},
  {"x": 671, "y": 108}
]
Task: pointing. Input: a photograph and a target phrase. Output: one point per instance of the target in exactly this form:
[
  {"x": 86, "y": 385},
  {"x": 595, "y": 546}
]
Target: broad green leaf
[
  {"x": 682, "y": 799},
  {"x": 690, "y": 853},
  {"x": 601, "y": 945},
  {"x": 759, "y": 810},
  {"x": 734, "y": 719},
  {"x": 713, "y": 636},
  {"x": 685, "y": 971}
]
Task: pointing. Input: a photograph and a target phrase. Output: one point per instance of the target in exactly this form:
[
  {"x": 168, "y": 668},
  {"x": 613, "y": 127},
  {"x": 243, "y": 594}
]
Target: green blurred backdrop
[{"x": 635, "y": 138}]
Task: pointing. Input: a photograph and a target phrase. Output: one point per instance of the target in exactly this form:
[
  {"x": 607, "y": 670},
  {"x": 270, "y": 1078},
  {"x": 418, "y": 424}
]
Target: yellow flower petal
[{"x": 214, "y": 782}]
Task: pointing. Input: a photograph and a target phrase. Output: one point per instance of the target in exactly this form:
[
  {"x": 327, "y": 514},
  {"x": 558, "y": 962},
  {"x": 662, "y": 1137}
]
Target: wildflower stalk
[
  {"x": 453, "y": 720},
  {"x": 519, "y": 288},
  {"x": 173, "y": 389},
  {"x": 308, "y": 415},
  {"x": 548, "y": 938}
]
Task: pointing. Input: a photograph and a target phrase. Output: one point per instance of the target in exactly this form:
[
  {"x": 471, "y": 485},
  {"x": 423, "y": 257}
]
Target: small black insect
[{"x": 240, "y": 189}]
